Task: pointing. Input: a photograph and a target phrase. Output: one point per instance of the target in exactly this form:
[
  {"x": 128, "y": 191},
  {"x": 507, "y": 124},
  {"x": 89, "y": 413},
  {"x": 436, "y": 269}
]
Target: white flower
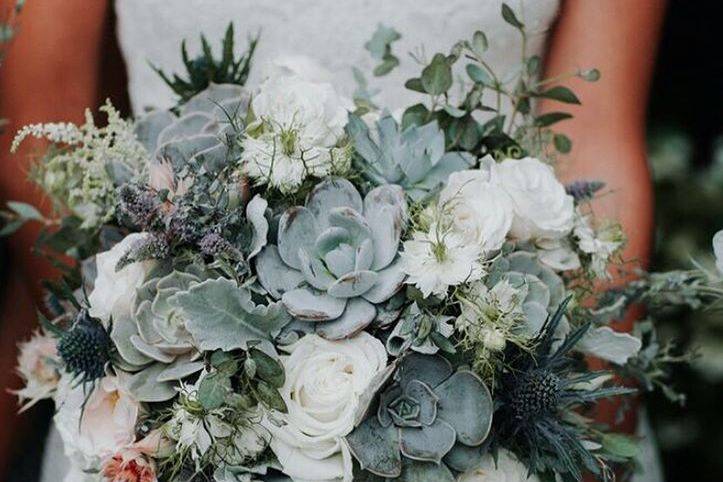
[
  {"x": 96, "y": 426},
  {"x": 324, "y": 380},
  {"x": 477, "y": 206},
  {"x": 506, "y": 469},
  {"x": 718, "y": 250},
  {"x": 434, "y": 261},
  {"x": 298, "y": 126},
  {"x": 114, "y": 292},
  {"x": 542, "y": 207},
  {"x": 557, "y": 254},
  {"x": 38, "y": 365},
  {"x": 599, "y": 245}
]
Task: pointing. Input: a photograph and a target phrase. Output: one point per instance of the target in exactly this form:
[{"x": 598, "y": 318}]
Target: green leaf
[
  {"x": 415, "y": 115},
  {"x": 442, "y": 343},
  {"x": 437, "y": 76},
  {"x": 479, "y": 43},
  {"x": 454, "y": 111},
  {"x": 270, "y": 396},
  {"x": 560, "y": 93},
  {"x": 11, "y": 227},
  {"x": 25, "y": 211},
  {"x": 533, "y": 65},
  {"x": 415, "y": 85},
  {"x": 213, "y": 390},
  {"x": 381, "y": 40},
  {"x": 563, "y": 144},
  {"x": 267, "y": 368},
  {"x": 620, "y": 445},
  {"x": 509, "y": 15},
  {"x": 387, "y": 65},
  {"x": 550, "y": 118},
  {"x": 220, "y": 315},
  {"x": 478, "y": 74},
  {"x": 250, "y": 368}
]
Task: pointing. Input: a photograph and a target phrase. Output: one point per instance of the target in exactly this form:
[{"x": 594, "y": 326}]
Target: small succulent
[
  {"x": 413, "y": 158},
  {"x": 85, "y": 348},
  {"x": 427, "y": 420},
  {"x": 337, "y": 256},
  {"x": 541, "y": 290},
  {"x": 156, "y": 334},
  {"x": 421, "y": 332},
  {"x": 204, "y": 70}
]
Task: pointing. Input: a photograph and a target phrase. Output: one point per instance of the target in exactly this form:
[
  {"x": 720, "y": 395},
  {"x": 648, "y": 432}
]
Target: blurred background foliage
[{"x": 686, "y": 157}]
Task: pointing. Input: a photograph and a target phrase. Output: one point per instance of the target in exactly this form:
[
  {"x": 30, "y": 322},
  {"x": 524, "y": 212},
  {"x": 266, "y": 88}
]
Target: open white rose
[
  {"x": 102, "y": 425},
  {"x": 542, "y": 207},
  {"x": 114, "y": 292},
  {"x": 324, "y": 380},
  {"x": 507, "y": 469},
  {"x": 478, "y": 207}
]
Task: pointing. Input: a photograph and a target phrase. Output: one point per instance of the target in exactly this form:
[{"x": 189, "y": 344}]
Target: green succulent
[
  {"x": 205, "y": 70},
  {"x": 426, "y": 420},
  {"x": 155, "y": 339},
  {"x": 201, "y": 135},
  {"x": 336, "y": 258},
  {"x": 421, "y": 332},
  {"x": 413, "y": 158}
]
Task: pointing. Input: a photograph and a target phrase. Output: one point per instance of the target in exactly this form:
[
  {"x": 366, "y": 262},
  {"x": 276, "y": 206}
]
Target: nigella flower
[
  {"x": 440, "y": 258},
  {"x": 298, "y": 126}
]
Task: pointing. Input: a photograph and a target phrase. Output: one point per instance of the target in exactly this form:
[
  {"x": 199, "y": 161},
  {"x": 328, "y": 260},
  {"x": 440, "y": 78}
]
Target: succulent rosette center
[{"x": 337, "y": 256}]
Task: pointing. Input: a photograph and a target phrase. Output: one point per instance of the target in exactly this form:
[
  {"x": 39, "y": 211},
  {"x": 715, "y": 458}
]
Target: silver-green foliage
[
  {"x": 413, "y": 158},
  {"x": 430, "y": 418},
  {"x": 337, "y": 256}
]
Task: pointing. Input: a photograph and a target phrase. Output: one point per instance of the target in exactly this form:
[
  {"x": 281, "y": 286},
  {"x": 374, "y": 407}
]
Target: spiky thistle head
[
  {"x": 85, "y": 348},
  {"x": 540, "y": 387}
]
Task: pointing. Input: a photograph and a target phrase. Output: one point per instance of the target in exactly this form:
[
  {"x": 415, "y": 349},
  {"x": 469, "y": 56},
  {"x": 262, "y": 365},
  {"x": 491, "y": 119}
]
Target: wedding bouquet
[{"x": 277, "y": 283}]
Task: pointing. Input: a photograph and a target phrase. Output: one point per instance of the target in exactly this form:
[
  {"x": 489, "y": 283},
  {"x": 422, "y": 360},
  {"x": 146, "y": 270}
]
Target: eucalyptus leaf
[
  {"x": 437, "y": 76},
  {"x": 25, "y": 211},
  {"x": 270, "y": 396},
  {"x": 509, "y": 16},
  {"x": 560, "y": 93},
  {"x": 212, "y": 391},
  {"x": 551, "y": 118}
]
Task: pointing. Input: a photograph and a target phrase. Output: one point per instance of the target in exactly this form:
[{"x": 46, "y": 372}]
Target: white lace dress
[{"x": 331, "y": 32}]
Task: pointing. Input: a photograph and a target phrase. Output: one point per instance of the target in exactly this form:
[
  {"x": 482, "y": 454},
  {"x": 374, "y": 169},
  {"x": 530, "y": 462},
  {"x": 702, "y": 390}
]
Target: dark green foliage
[
  {"x": 85, "y": 348},
  {"x": 537, "y": 391},
  {"x": 206, "y": 69}
]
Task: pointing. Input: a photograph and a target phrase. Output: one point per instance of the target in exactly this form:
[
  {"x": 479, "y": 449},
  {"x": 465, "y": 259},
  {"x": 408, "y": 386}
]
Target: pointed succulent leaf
[
  {"x": 331, "y": 194},
  {"x": 385, "y": 210},
  {"x": 376, "y": 448},
  {"x": 185, "y": 127},
  {"x": 357, "y": 316},
  {"x": 297, "y": 229},
  {"x": 178, "y": 152},
  {"x": 417, "y": 471},
  {"x": 148, "y": 127},
  {"x": 353, "y": 284},
  {"x": 121, "y": 332},
  {"x": 314, "y": 271},
  {"x": 311, "y": 305},
  {"x": 466, "y": 404},
  {"x": 220, "y": 315},
  {"x": 179, "y": 369},
  {"x": 390, "y": 281},
  {"x": 275, "y": 276},
  {"x": 429, "y": 369},
  {"x": 427, "y": 443},
  {"x": 145, "y": 387},
  {"x": 255, "y": 213},
  {"x": 151, "y": 351}
]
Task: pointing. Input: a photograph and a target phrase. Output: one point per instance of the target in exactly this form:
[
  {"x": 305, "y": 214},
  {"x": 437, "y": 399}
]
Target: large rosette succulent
[
  {"x": 202, "y": 134},
  {"x": 337, "y": 256},
  {"x": 155, "y": 341},
  {"x": 427, "y": 420},
  {"x": 413, "y": 158}
]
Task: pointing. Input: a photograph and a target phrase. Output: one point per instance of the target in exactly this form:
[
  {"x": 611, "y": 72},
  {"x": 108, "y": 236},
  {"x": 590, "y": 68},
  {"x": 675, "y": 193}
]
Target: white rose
[
  {"x": 478, "y": 206},
  {"x": 542, "y": 207},
  {"x": 324, "y": 380},
  {"x": 299, "y": 123},
  {"x": 507, "y": 469},
  {"x": 718, "y": 250},
  {"x": 114, "y": 292},
  {"x": 96, "y": 426}
]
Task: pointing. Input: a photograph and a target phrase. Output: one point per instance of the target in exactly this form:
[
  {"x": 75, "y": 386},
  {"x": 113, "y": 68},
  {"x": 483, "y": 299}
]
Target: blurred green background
[{"x": 686, "y": 156}]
